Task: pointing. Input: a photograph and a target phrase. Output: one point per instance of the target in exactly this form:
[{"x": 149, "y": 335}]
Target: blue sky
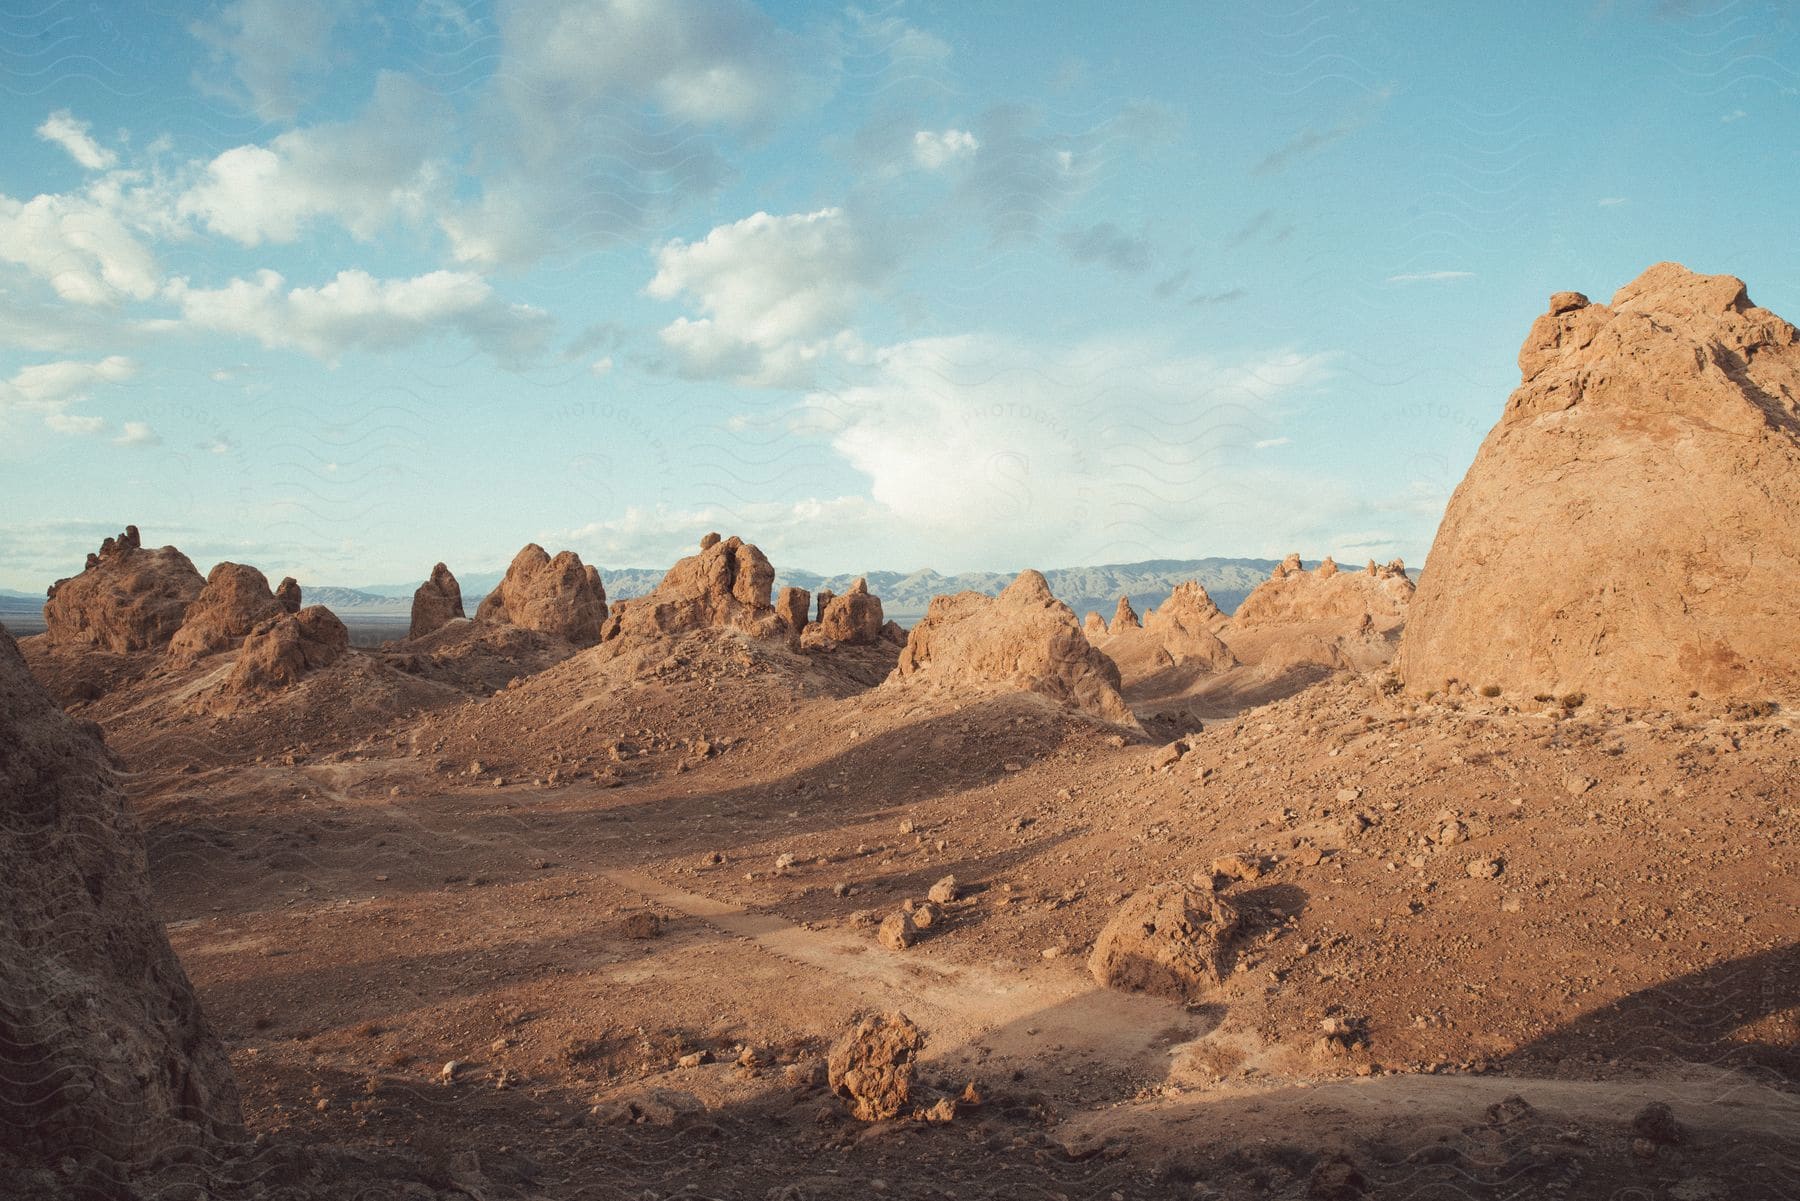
[{"x": 341, "y": 290}]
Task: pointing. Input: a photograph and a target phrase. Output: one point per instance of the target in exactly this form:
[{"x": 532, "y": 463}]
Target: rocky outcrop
[
  {"x": 1124, "y": 618},
  {"x": 1179, "y": 633},
  {"x": 1022, "y": 639},
  {"x": 894, "y": 632},
  {"x": 1169, "y": 940},
  {"x": 436, "y": 602},
  {"x": 727, "y": 585},
  {"x": 104, "y": 1054},
  {"x": 1325, "y": 618},
  {"x": 560, "y": 596},
  {"x": 236, "y": 597},
  {"x": 285, "y": 648},
  {"x": 792, "y": 606},
  {"x": 1630, "y": 529},
  {"x": 1094, "y": 626},
  {"x": 855, "y": 617},
  {"x": 824, "y": 599},
  {"x": 287, "y": 594},
  {"x": 127, "y": 598}
]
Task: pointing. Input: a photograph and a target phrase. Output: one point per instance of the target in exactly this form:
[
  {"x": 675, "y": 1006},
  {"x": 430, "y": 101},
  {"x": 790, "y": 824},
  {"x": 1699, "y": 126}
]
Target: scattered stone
[
  {"x": 641, "y": 925},
  {"x": 1485, "y": 869},
  {"x": 945, "y": 891},
  {"x": 1168, "y": 939},
  {"x": 898, "y": 931},
  {"x": 1576, "y": 785},
  {"x": 1656, "y": 1122},
  {"x": 871, "y": 1066}
]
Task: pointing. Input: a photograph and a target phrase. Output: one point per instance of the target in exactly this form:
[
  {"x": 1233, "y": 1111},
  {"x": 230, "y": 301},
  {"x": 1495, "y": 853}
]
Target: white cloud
[
  {"x": 51, "y": 389},
  {"x": 138, "y": 433},
  {"x": 62, "y": 128},
  {"x": 791, "y": 533},
  {"x": 1607, "y": 202},
  {"x": 935, "y": 149},
  {"x": 1270, "y": 443},
  {"x": 1430, "y": 277},
  {"x": 774, "y": 293},
  {"x": 272, "y": 49},
  {"x": 364, "y": 173},
  {"x": 357, "y": 311},
  {"x": 1736, "y": 114},
  {"x": 601, "y": 366},
  {"x": 79, "y": 246},
  {"x": 608, "y": 116}
]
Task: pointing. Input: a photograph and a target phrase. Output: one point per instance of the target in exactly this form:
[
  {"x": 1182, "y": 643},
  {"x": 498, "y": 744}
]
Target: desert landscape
[{"x": 1474, "y": 882}]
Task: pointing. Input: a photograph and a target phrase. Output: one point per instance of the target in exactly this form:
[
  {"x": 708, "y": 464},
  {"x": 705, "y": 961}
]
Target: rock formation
[
  {"x": 284, "y": 648},
  {"x": 871, "y": 1066},
  {"x": 793, "y": 605},
  {"x": 1169, "y": 940},
  {"x": 1177, "y": 633},
  {"x": 1124, "y": 617},
  {"x": 1630, "y": 529},
  {"x": 235, "y": 598},
  {"x": 894, "y": 632},
  {"x": 1324, "y": 618},
  {"x": 127, "y": 598},
  {"x": 1094, "y": 626},
  {"x": 436, "y": 602},
  {"x": 106, "y": 1056},
  {"x": 727, "y": 584},
  {"x": 287, "y": 594},
  {"x": 1023, "y": 639},
  {"x": 855, "y": 617},
  {"x": 824, "y": 599},
  {"x": 559, "y": 596}
]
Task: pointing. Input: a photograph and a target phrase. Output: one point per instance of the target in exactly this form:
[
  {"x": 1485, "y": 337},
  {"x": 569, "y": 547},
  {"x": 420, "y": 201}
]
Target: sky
[{"x": 341, "y": 289}]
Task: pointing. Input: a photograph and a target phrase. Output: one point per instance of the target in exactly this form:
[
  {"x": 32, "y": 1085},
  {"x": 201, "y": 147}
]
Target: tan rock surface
[
  {"x": 1630, "y": 529},
  {"x": 727, "y": 584},
  {"x": 106, "y": 1051},
  {"x": 1022, "y": 639},
  {"x": 128, "y": 598},
  {"x": 435, "y": 602},
  {"x": 287, "y": 594},
  {"x": 1168, "y": 940},
  {"x": 281, "y": 650},
  {"x": 871, "y": 1066},
  {"x": 560, "y": 596},
  {"x": 236, "y": 597},
  {"x": 855, "y": 617},
  {"x": 794, "y": 605}
]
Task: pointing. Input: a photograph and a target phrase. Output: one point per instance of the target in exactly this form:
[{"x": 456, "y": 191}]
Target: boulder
[
  {"x": 287, "y": 594},
  {"x": 281, "y": 650},
  {"x": 855, "y": 617},
  {"x": 1630, "y": 529},
  {"x": 793, "y": 605},
  {"x": 107, "y": 1057},
  {"x": 1168, "y": 939},
  {"x": 1023, "y": 639},
  {"x": 436, "y": 602},
  {"x": 127, "y": 598},
  {"x": 727, "y": 585},
  {"x": 236, "y": 597},
  {"x": 560, "y": 596},
  {"x": 871, "y": 1066}
]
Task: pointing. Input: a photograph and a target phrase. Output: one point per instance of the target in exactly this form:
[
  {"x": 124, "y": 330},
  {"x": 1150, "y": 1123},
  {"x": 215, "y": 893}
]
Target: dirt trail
[{"x": 1019, "y": 1012}]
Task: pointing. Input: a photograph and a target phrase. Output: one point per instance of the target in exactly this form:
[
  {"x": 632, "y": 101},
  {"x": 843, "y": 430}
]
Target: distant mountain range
[{"x": 904, "y": 595}]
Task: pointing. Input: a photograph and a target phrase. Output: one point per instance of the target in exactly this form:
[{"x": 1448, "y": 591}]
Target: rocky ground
[{"x": 592, "y": 935}]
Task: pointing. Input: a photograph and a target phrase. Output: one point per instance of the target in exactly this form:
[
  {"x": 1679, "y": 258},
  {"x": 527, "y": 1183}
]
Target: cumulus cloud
[
  {"x": 935, "y": 149},
  {"x": 357, "y": 311},
  {"x": 1006, "y": 451},
  {"x": 79, "y": 246},
  {"x": 50, "y": 389},
  {"x": 1430, "y": 277},
  {"x": 607, "y": 117},
  {"x": 774, "y": 293},
  {"x": 62, "y": 128},
  {"x": 137, "y": 433},
  {"x": 266, "y": 53},
  {"x": 792, "y": 533},
  {"x": 366, "y": 172}
]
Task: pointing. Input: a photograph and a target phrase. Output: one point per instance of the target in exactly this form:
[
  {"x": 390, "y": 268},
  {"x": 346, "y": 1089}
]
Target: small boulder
[
  {"x": 871, "y": 1066},
  {"x": 1168, "y": 940},
  {"x": 898, "y": 931},
  {"x": 944, "y": 891}
]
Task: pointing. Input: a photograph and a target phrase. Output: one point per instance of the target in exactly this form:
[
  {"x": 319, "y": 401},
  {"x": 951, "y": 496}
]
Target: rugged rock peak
[
  {"x": 1024, "y": 639},
  {"x": 127, "y": 598},
  {"x": 1372, "y": 569},
  {"x": 560, "y": 596},
  {"x": 793, "y": 605},
  {"x": 285, "y": 648},
  {"x": 824, "y": 600},
  {"x": 1291, "y": 596},
  {"x": 1327, "y": 567},
  {"x": 1189, "y": 607},
  {"x": 435, "y": 603},
  {"x": 1124, "y": 616},
  {"x": 727, "y": 584},
  {"x": 236, "y": 597},
  {"x": 855, "y": 617},
  {"x": 108, "y": 1059},
  {"x": 709, "y": 541},
  {"x": 1093, "y": 625},
  {"x": 1180, "y": 632},
  {"x": 287, "y": 594},
  {"x": 1287, "y": 567},
  {"x": 1630, "y": 528}
]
